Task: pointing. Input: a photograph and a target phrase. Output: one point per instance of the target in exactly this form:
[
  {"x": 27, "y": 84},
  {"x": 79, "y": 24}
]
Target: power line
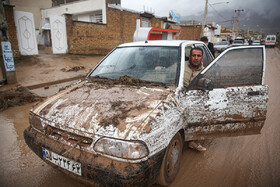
[
  {"x": 218, "y": 12},
  {"x": 225, "y": 21}
]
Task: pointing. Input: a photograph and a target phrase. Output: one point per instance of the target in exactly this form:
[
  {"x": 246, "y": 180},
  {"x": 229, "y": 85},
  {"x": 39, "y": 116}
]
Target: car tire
[{"x": 171, "y": 161}]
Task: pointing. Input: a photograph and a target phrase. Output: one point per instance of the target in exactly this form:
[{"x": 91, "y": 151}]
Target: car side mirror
[{"x": 205, "y": 84}]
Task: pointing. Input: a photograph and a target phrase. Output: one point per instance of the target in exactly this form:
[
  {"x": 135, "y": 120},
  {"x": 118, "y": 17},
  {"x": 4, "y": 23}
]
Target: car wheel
[{"x": 171, "y": 161}]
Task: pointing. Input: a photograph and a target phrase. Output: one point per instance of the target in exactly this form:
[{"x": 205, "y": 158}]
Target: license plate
[{"x": 65, "y": 163}]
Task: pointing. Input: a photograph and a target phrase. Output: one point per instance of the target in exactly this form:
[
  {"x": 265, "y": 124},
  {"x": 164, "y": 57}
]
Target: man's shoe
[{"x": 196, "y": 146}]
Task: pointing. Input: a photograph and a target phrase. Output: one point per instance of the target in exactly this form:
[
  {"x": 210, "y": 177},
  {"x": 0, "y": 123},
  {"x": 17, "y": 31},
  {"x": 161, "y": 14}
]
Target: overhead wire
[{"x": 218, "y": 12}]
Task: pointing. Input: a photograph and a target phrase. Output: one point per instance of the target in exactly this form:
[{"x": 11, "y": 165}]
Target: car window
[
  {"x": 207, "y": 58},
  {"x": 187, "y": 51},
  {"x": 153, "y": 64},
  {"x": 238, "y": 67},
  {"x": 222, "y": 43},
  {"x": 238, "y": 41}
]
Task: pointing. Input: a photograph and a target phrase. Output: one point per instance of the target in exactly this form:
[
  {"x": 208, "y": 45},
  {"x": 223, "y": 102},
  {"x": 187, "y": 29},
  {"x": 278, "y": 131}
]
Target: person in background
[{"x": 209, "y": 45}]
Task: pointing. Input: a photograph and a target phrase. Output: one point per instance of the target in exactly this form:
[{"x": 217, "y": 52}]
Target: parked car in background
[
  {"x": 270, "y": 41},
  {"x": 262, "y": 42},
  {"x": 237, "y": 42},
  {"x": 256, "y": 42},
  {"x": 246, "y": 42},
  {"x": 125, "y": 124},
  {"x": 221, "y": 46}
]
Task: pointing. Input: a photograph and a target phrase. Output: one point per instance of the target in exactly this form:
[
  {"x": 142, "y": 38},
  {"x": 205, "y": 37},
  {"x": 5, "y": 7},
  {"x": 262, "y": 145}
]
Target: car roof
[
  {"x": 270, "y": 36},
  {"x": 160, "y": 43}
]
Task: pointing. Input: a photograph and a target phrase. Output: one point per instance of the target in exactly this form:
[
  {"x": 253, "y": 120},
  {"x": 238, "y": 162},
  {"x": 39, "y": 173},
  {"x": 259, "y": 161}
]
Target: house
[
  {"x": 33, "y": 7},
  {"x": 91, "y": 27}
]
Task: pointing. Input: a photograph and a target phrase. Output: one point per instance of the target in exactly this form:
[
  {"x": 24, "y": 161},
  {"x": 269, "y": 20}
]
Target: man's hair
[
  {"x": 204, "y": 39},
  {"x": 196, "y": 48}
]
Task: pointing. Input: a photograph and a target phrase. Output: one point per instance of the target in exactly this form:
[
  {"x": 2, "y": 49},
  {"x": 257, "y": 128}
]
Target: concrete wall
[
  {"x": 76, "y": 8},
  {"x": 33, "y": 6}
]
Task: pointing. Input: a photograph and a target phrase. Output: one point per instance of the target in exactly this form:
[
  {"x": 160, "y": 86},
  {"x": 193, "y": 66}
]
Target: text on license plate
[{"x": 70, "y": 165}]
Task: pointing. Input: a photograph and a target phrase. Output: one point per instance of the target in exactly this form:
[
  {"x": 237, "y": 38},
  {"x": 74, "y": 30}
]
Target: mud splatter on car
[{"x": 125, "y": 123}]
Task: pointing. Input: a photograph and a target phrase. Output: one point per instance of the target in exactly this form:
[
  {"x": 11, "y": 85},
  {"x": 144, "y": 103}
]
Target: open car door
[{"x": 228, "y": 98}]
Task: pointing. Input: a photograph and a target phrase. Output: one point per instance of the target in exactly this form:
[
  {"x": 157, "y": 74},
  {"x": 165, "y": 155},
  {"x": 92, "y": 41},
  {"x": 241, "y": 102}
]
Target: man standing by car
[
  {"x": 209, "y": 45},
  {"x": 192, "y": 68}
]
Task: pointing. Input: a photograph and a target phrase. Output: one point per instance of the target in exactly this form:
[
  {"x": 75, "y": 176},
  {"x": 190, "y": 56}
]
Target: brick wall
[
  {"x": 190, "y": 33},
  {"x": 94, "y": 38},
  {"x": 12, "y": 32}
]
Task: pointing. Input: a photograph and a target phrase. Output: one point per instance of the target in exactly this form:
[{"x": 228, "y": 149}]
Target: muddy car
[{"x": 125, "y": 124}]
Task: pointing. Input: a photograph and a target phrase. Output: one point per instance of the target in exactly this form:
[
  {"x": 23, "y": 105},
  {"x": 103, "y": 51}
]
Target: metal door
[
  {"x": 58, "y": 34},
  {"x": 238, "y": 103},
  {"x": 26, "y": 33}
]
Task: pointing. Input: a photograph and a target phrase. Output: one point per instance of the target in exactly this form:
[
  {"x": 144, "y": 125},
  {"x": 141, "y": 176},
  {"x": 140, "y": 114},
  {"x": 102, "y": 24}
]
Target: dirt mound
[
  {"x": 16, "y": 97},
  {"x": 75, "y": 68}
]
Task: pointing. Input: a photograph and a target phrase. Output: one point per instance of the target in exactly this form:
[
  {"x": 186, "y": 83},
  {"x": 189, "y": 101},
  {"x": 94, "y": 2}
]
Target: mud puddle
[{"x": 20, "y": 166}]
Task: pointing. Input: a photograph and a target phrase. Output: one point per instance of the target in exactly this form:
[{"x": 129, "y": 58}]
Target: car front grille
[{"x": 69, "y": 137}]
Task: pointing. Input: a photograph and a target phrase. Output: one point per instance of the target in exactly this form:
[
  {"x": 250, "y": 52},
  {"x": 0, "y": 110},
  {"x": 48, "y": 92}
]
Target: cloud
[{"x": 264, "y": 13}]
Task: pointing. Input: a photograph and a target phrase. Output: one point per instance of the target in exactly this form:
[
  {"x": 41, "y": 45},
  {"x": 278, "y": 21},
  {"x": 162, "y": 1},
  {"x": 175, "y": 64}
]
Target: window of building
[
  {"x": 96, "y": 18},
  {"x": 145, "y": 22}
]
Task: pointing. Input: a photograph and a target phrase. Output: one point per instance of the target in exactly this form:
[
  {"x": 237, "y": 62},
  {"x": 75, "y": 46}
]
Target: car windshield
[
  {"x": 222, "y": 43},
  {"x": 238, "y": 41},
  {"x": 153, "y": 64}
]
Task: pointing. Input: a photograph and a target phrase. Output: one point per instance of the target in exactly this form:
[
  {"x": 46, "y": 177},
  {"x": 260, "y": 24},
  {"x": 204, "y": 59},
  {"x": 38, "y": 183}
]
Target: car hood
[{"x": 105, "y": 109}]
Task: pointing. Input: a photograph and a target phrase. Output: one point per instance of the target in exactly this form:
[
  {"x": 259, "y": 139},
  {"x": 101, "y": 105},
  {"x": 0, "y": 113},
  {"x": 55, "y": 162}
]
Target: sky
[{"x": 261, "y": 15}]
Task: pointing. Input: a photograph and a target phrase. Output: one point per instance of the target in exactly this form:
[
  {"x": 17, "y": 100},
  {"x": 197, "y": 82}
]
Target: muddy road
[{"x": 239, "y": 161}]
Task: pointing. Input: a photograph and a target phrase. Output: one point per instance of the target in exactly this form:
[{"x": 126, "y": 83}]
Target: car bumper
[
  {"x": 270, "y": 44},
  {"x": 97, "y": 169}
]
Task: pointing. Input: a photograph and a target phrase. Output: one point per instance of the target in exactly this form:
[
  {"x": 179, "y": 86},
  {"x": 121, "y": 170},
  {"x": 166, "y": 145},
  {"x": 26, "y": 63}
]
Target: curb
[{"x": 31, "y": 87}]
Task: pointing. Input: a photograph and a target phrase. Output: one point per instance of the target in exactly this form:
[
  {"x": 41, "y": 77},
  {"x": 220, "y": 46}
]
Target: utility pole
[
  {"x": 7, "y": 65},
  {"x": 238, "y": 16},
  {"x": 233, "y": 28},
  {"x": 204, "y": 18}
]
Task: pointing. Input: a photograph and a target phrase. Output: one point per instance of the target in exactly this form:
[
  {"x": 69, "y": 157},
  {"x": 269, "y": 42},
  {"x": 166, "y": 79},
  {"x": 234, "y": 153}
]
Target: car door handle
[{"x": 253, "y": 93}]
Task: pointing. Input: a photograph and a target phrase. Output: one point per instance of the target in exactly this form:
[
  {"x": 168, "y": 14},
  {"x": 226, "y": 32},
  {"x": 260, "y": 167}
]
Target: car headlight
[
  {"x": 122, "y": 149},
  {"x": 35, "y": 121}
]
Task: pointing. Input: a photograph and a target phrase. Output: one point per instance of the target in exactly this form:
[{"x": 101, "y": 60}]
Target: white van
[{"x": 270, "y": 41}]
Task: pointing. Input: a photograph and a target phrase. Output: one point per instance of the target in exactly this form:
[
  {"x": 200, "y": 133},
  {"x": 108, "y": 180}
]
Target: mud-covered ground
[
  {"x": 47, "y": 67},
  {"x": 239, "y": 161},
  {"x": 16, "y": 97}
]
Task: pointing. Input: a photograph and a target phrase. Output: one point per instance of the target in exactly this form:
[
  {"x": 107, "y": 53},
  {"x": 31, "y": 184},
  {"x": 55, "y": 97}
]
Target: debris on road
[
  {"x": 75, "y": 68},
  {"x": 16, "y": 97}
]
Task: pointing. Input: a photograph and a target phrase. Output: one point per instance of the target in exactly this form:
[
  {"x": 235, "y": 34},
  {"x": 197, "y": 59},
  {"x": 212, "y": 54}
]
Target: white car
[
  {"x": 125, "y": 124},
  {"x": 237, "y": 42},
  {"x": 270, "y": 41},
  {"x": 256, "y": 42},
  {"x": 221, "y": 46}
]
